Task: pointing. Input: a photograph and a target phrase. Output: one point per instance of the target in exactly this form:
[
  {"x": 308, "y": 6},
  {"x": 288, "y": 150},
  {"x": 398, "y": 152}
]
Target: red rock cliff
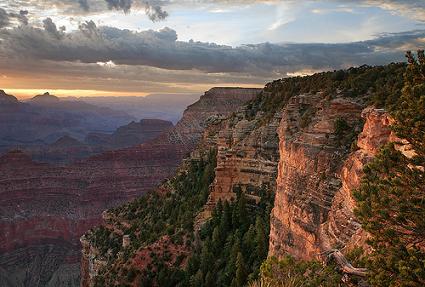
[{"x": 314, "y": 205}]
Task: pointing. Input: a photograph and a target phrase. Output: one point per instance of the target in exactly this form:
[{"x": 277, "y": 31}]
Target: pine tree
[
  {"x": 209, "y": 280},
  {"x": 391, "y": 198},
  {"x": 197, "y": 280},
  {"x": 261, "y": 238},
  {"x": 242, "y": 213},
  {"x": 241, "y": 273},
  {"x": 226, "y": 219}
]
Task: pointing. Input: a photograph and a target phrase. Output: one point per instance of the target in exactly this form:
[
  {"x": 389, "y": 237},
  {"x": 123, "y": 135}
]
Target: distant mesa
[
  {"x": 6, "y": 98},
  {"x": 45, "y": 98},
  {"x": 67, "y": 141}
]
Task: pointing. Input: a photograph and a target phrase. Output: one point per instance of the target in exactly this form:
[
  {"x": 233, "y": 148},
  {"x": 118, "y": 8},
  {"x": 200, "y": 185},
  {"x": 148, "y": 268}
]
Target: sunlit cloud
[{"x": 101, "y": 46}]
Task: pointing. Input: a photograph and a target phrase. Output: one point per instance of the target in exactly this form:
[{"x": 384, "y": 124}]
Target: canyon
[
  {"x": 45, "y": 118},
  {"x": 45, "y": 209},
  {"x": 308, "y": 149}
]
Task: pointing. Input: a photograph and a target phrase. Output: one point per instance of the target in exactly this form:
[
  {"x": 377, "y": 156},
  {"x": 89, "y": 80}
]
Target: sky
[{"x": 138, "y": 47}]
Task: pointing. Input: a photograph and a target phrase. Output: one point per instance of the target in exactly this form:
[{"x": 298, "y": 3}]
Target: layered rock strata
[
  {"x": 247, "y": 157},
  {"x": 311, "y": 156},
  {"x": 314, "y": 205},
  {"x": 45, "y": 209}
]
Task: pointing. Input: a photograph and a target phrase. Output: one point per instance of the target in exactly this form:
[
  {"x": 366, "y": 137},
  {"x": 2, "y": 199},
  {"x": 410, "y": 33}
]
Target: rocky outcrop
[
  {"x": 313, "y": 213},
  {"x": 341, "y": 230},
  {"x": 216, "y": 103},
  {"x": 7, "y": 99},
  {"x": 247, "y": 160},
  {"x": 45, "y": 98},
  {"x": 45, "y": 209},
  {"x": 311, "y": 155}
]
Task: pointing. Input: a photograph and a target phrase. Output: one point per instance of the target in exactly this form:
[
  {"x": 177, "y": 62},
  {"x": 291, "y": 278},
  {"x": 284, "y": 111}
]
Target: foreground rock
[{"x": 314, "y": 206}]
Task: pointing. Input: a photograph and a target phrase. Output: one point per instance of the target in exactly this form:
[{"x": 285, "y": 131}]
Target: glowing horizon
[{"x": 93, "y": 50}]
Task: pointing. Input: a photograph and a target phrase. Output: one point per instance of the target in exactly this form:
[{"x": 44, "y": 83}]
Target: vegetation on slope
[
  {"x": 381, "y": 84},
  {"x": 391, "y": 199},
  {"x": 229, "y": 249},
  {"x": 149, "y": 218},
  {"x": 234, "y": 243}
]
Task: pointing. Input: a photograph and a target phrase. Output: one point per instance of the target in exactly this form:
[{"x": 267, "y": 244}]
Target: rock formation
[
  {"x": 7, "y": 99},
  {"x": 246, "y": 160},
  {"x": 308, "y": 145},
  {"x": 313, "y": 212},
  {"x": 45, "y": 98},
  {"x": 216, "y": 103},
  {"x": 341, "y": 230}
]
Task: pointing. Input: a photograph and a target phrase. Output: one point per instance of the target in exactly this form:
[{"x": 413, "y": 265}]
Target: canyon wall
[
  {"x": 318, "y": 173},
  {"x": 247, "y": 157},
  {"x": 341, "y": 230},
  {"x": 44, "y": 209}
]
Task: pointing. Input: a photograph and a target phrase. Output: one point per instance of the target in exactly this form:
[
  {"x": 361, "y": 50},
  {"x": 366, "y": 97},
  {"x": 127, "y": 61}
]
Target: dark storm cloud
[
  {"x": 124, "y": 5},
  {"x": 160, "y": 49},
  {"x": 155, "y": 12},
  {"x": 4, "y": 18},
  {"x": 89, "y": 30},
  {"x": 52, "y": 30},
  {"x": 153, "y": 8}
]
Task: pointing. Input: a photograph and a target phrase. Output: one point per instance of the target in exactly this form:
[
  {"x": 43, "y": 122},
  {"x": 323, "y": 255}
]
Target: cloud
[
  {"x": 52, "y": 30},
  {"x": 89, "y": 30},
  {"x": 160, "y": 49},
  {"x": 153, "y": 8},
  {"x": 155, "y": 12},
  {"x": 124, "y": 5},
  {"x": 4, "y": 18},
  {"x": 409, "y": 8}
]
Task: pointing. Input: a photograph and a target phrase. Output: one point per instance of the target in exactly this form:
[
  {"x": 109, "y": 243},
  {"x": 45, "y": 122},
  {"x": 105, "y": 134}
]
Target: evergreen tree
[
  {"x": 242, "y": 213},
  {"x": 197, "y": 280},
  {"x": 391, "y": 198},
  {"x": 241, "y": 273},
  {"x": 209, "y": 280},
  {"x": 261, "y": 238}
]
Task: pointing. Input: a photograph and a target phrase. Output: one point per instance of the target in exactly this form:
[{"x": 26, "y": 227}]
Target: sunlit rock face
[
  {"x": 341, "y": 229},
  {"x": 313, "y": 211},
  {"x": 311, "y": 157},
  {"x": 45, "y": 209}
]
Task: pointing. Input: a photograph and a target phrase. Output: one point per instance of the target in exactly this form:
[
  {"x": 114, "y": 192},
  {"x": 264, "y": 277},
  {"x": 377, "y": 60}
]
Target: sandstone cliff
[
  {"x": 45, "y": 209},
  {"x": 247, "y": 159},
  {"x": 314, "y": 204},
  {"x": 215, "y": 103}
]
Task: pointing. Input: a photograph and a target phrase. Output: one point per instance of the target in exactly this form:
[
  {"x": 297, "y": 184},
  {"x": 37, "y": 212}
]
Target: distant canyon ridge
[
  {"x": 63, "y": 130},
  {"x": 45, "y": 208}
]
